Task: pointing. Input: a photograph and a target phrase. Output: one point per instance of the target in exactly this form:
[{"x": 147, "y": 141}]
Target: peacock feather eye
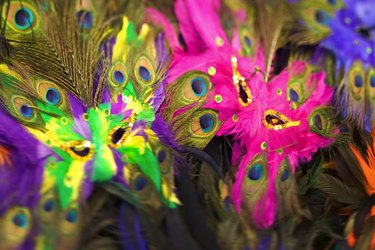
[
  {"x": 247, "y": 41},
  {"x": 322, "y": 17},
  {"x": 358, "y": 81},
  {"x": 26, "y": 111},
  {"x": 198, "y": 85},
  {"x": 140, "y": 183},
  {"x": 47, "y": 208},
  {"x": 332, "y": 2},
  {"x": 24, "y": 107},
  {"x": 370, "y": 84},
  {"x": 144, "y": 73},
  {"x": 322, "y": 121},
  {"x": 53, "y": 96},
  {"x": 71, "y": 216},
  {"x": 293, "y": 95},
  {"x": 144, "y": 70},
  {"x": 69, "y": 221},
  {"x": 20, "y": 219},
  {"x": 49, "y": 205},
  {"x": 317, "y": 120},
  {"x": 117, "y": 75},
  {"x": 206, "y": 122},
  {"x": 372, "y": 81},
  {"x": 297, "y": 92},
  {"x": 255, "y": 172},
  {"x": 50, "y": 93},
  {"x": 23, "y": 18},
  {"x": 85, "y": 19},
  {"x": 162, "y": 155},
  {"x": 285, "y": 175},
  {"x": 15, "y": 226}
]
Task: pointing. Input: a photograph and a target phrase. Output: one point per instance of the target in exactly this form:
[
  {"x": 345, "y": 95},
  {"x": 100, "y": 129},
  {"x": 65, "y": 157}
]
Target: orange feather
[{"x": 4, "y": 156}]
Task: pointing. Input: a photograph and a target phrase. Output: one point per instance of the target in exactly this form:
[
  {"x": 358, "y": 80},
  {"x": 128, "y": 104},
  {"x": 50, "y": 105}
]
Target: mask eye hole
[
  {"x": 117, "y": 136},
  {"x": 244, "y": 94},
  {"x": 274, "y": 120},
  {"x": 80, "y": 150}
]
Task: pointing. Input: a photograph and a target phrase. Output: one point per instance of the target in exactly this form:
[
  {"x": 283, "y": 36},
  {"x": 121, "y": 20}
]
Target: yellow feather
[
  {"x": 136, "y": 141},
  {"x": 108, "y": 155},
  {"x": 5, "y": 69},
  {"x": 74, "y": 177},
  {"x": 167, "y": 193},
  {"x": 40, "y": 242},
  {"x": 48, "y": 181},
  {"x": 120, "y": 49},
  {"x": 127, "y": 174},
  {"x": 145, "y": 29},
  {"x": 134, "y": 105}
]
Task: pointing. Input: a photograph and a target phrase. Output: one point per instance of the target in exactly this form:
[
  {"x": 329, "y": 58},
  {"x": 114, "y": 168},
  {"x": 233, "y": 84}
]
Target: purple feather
[
  {"x": 161, "y": 128},
  {"x": 21, "y": 176}
]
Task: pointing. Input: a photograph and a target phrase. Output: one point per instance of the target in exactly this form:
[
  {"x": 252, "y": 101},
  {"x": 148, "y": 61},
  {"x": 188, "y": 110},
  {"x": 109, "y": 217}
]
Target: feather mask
[
  {"x": 345, "y": 29},
  {"x": 91, "y": 139},
  {"x": 276, "y": 123}
]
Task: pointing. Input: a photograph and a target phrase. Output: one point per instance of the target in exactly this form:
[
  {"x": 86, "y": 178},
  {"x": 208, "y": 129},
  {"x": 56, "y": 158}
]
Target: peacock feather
[{"x": 343, "y": 29}]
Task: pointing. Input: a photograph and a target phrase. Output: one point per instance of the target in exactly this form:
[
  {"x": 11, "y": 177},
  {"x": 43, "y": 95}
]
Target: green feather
[{"x": 147, "y": 162}]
